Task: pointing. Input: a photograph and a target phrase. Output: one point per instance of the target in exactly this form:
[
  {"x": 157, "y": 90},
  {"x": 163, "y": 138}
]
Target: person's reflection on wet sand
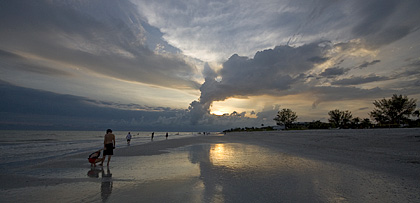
[
  {"x": 94, "y": 173},
  {"x": 106, "y": 185}
]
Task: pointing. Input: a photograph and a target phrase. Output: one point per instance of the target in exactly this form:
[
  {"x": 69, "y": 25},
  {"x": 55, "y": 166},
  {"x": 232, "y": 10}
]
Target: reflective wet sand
[{"x": 235, "y": 168}]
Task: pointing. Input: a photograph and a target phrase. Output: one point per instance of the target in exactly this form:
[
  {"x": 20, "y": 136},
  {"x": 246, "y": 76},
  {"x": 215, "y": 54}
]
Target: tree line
[{"x": 393, "y": 112}]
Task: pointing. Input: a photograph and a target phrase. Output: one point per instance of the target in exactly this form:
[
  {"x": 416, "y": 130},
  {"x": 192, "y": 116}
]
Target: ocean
[{"x": 20, "y": 148}]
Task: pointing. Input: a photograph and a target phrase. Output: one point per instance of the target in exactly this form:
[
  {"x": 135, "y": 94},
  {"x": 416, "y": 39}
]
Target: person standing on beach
[
  {"x": 166, "y": 135},
  {"x": 109, "y": 145},
  {"x": 128, "y": 137},
  {"x": 153, "y": 134}
]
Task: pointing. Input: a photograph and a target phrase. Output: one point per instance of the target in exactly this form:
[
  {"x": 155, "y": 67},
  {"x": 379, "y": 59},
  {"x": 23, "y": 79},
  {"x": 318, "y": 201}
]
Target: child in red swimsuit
[{"x": 94, "y": 158}]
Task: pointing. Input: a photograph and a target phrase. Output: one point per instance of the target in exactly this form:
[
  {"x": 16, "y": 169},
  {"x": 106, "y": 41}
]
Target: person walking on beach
[
  {"x": 166, "y": 135},
  {"x": 109, "y": 145},
  {"x": 153, "y": 134},
  {"x": 128, "y": 137}
]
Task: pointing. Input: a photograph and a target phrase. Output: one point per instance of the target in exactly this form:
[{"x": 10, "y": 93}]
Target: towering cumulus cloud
[{"x": 271, "y": 72}]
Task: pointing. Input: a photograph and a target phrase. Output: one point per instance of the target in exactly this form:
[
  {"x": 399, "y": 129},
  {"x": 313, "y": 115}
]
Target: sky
[{"x": 201, "y": 65}]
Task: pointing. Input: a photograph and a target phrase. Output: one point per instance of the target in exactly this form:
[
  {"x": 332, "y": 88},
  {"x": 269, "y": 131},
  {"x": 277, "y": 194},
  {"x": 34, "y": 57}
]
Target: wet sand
[{"x": 381, "y": 165}]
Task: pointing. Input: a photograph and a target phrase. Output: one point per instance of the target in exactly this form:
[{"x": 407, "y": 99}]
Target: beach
[{"x": 369, "y": 165}]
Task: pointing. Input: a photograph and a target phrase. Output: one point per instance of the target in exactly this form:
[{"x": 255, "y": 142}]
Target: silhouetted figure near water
[
  {"x": 109, "y": 145},
  {"x": 153, "y": 134},
  {"x": 128, "y": 137},
  {"x": 166, "y": 135}
]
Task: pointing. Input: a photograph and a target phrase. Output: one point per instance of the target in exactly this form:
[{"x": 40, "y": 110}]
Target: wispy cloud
[
  {"x": 366, "y": 64},
  {"x": 104, "y": 37},
  {"x": 359, "y": 80}
]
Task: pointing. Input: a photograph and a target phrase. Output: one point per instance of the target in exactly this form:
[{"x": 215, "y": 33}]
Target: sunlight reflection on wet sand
[
  {"x": 223, "y": 172},
  {"x": 252, "y": 157}
]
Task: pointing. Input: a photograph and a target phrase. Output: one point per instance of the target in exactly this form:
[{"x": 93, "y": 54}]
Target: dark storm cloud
[
  {"x": 24, "y": 108},
  {"x": 103, "y": 36},
  {"x": 281, "y": 71},
  {"x": 271, "y": 72}
]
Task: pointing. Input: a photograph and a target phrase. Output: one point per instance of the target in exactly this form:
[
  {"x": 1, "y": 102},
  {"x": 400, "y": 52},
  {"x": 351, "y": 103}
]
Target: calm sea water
[{"x": 19, "y": 148}]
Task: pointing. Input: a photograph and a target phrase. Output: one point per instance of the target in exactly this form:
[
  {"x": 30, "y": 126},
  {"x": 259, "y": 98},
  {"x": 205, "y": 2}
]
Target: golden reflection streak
[
  {"x": 217, "y": 153},
  {"x": 252, "y": 157},
  {"x": 240, "y": 156}
]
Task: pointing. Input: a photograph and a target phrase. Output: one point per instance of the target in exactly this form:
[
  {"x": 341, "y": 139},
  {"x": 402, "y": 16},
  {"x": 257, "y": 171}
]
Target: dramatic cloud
[
  {"x": 28, "y": 108},
  {"x": 271, "y": 71},
  {"x": 221, "y": 26},
  {"x": 106, "y": 37},
  {"x": 137, "y": 63},
  {"x": 356, "y": 32},
  {"x": 48, "y": 110},
  {"x": 55, "y": 111},
  {"x": 242, "y": 27}
]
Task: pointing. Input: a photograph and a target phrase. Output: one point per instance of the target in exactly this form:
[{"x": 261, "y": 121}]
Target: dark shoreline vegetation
[
  {"x": 314, "y": 125},
  {"x": 395, "y": 112}
]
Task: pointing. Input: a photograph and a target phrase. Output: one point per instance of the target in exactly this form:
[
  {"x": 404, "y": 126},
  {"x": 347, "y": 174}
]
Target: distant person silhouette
[
  {"x": 166, "y": 135},
  {"x": 128, "y": 137},
  {"x": 153, "y": 134}
]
